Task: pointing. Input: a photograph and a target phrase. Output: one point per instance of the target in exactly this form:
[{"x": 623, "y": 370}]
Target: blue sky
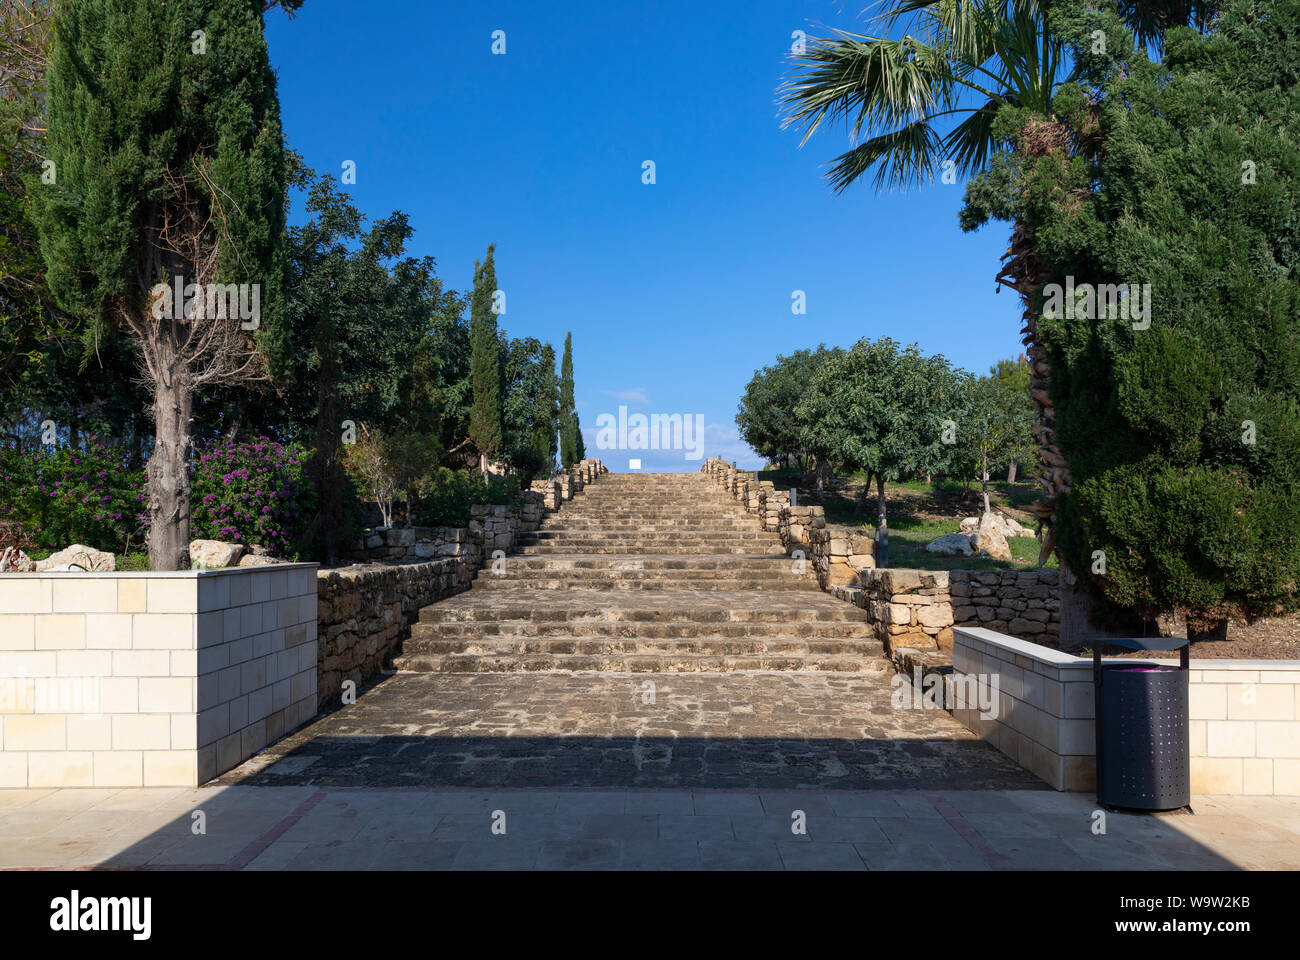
[{"x": 677, "y": 291}]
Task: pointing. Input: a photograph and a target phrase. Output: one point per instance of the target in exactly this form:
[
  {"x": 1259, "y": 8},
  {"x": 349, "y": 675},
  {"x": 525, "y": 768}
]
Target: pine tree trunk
[
  {"x": 1011, "y": 472},
  {"x": 168, "y": 470}
]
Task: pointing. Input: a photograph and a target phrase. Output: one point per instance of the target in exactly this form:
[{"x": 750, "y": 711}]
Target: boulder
[
  {"x": 989, "y": 541},
  {"x": 78, "y": 557},
  {"x": 951, "y": 545},
  {"x": 258, "y": 560},
  {"x": 210, "y": 554},
  {"x": 1008, "y": 526}
]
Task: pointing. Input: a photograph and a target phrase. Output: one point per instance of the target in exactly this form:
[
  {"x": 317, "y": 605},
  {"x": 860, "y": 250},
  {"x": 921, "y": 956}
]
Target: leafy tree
[
  {"x": 883, "y": 410},
  {"x": 570, "y": 434},
  {"x": 524, "y": 369},
  {"x": 485, "y": 368},
  {"x": 546, "y": 413},
  {"x": 994, "y": 429},
  {"x": 1182, "y": 429},
  {"x": 1013, "y": 378},
  {"x": 169, "y": 168},
  {"x": 766, "y": 418},
  {"x": 351, "y": 347}
]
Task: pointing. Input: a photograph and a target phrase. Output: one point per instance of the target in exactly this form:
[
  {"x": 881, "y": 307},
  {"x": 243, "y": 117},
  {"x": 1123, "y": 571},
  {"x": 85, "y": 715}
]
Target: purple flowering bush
[
  {"x": 69, "y": 495},
  {"x": 253, "y": 491}
]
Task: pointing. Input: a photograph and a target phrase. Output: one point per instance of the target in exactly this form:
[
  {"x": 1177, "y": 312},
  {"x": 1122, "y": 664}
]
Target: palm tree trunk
[{"x": 1022, "y": 271}]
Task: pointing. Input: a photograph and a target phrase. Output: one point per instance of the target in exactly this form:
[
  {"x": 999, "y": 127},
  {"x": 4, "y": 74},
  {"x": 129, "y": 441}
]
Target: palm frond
[{"x": 900, "y": 157}]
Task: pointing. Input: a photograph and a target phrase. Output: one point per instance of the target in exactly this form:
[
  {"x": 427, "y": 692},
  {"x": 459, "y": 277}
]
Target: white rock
[
  {"x": 951, "y": 545},
  {"x": 78, "y": 557},
  {"x": 212, "y": 554}
]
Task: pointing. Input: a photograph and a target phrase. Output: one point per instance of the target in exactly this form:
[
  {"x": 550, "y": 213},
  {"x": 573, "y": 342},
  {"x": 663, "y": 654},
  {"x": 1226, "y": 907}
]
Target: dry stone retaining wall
[{"x": 364, "y": 611}]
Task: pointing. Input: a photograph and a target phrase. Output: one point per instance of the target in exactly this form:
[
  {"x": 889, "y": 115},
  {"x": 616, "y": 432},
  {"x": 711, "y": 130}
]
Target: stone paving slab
[
  {"x": 770, "y": 731},
  {"x": 308, "y": 828}
]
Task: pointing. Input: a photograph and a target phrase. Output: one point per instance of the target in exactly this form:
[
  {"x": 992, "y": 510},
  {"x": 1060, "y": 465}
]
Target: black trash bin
[{"x": 1141, "y": 721}]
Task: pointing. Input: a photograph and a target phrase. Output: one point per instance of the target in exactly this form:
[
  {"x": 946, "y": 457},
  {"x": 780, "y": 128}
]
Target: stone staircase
[{"x": 645, "y": 573}]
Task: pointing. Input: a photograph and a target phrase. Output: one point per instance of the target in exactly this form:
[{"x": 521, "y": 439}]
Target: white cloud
[{"x": 635, "y": 395}]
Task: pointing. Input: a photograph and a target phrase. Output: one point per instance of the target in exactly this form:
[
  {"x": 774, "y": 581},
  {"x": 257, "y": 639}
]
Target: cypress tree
[
  {"x": 164, "y": 129},
  {"x": 569, "y": 437},
  {"x": 485, "y": 364}
]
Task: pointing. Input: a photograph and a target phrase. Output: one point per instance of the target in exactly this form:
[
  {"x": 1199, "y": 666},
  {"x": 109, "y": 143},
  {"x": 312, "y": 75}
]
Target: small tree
[
  {"x": 1014, "y": 377},
  {"x": 884, "y": 411},
  {"x": 371, "y": 467},
  {"x": 169, "y": 175},
  {"x": 994, "y": 430},
  {"x": 485, "y": 369}
]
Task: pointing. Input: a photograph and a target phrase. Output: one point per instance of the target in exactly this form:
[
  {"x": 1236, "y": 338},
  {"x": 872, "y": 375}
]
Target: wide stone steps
[
  {"x": 626, "y": 583},
  {"x": 651, "y": 536},
  {"x": 676, "y": 646},
  {"x": 666, "y": 548},
  {"x": 639, "y": 630},
  {"x": 612, "y": 528},
  {"x": 638, "y": 663},
  {"x": 645, "y": 574},
  {"x": 687, "y": 563},
  {"x": 681, "y": 606}
]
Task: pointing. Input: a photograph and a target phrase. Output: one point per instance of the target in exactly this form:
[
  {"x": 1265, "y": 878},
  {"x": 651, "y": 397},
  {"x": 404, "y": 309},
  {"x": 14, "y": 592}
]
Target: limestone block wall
[
  {"x": 550, "y": 492},
  {"x": 151, "y": 679},
  {"x": 365, "y": 612},
  {"x": 1244, "y": 715}
]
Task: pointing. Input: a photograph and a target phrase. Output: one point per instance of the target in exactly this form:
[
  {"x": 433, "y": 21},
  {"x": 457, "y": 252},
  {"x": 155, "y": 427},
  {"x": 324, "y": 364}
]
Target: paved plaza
[
  {"x": 314, "y": 828},
  {"x": 744, "y": 771}
]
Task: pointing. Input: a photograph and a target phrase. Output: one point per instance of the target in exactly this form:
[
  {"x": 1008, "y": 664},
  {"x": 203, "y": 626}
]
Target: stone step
[
  {"x": 650, "y": 562},
  {"x": 662, "y": 646},
  {"x": 669, "y": 548},
  {"x": 625, "y": 582},
  {"x": 640, "y": 630},
  {"x": 637, "y": 663},
  {"x": 650, "y": 536},
  {"x": 704, "y": 524},
  {"x": 577, "y": 606}
]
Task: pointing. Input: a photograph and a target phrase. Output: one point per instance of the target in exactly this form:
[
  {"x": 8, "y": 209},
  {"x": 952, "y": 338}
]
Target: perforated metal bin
[{"x": 1142, "y": 740}]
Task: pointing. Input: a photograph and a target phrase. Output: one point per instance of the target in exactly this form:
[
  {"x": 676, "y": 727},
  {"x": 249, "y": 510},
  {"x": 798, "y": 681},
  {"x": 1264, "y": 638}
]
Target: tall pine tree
[
  {"x": 169, "y": 171},
  {"x": 569, "y": 437},
  {"x": 485, "y": 369}
]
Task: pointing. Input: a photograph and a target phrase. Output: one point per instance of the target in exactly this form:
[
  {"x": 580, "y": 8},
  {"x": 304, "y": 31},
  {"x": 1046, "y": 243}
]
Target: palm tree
[{"x": 930, "y": 99}]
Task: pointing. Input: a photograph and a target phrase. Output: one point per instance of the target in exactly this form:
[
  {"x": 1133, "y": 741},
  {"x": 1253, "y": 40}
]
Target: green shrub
[
  {"x": 72, "y": 495},
  {"x": 451, "y": 493},
  {"x": 256, "y": 491}
]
